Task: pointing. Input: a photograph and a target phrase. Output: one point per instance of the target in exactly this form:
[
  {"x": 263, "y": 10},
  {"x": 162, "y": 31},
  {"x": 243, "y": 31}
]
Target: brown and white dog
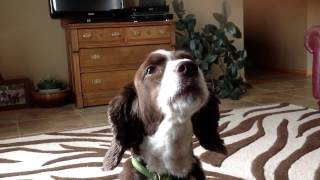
[{"x": 156, "y": 116}]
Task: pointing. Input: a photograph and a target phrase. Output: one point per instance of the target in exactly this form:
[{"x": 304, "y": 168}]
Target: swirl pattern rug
[{"x": 280, "y": 141}]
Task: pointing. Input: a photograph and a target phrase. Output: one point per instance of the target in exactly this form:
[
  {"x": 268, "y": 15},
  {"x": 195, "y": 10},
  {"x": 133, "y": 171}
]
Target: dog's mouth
[{"x": 187, "y": 87}]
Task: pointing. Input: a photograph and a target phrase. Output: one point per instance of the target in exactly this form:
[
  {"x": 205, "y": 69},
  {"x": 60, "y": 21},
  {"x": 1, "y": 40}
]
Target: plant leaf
[
  {"x": 233, "y": 30},
  {"x": 220, "y": 18},
  {"x": 180, "y": 25},
  {"x": 210, "y": 58},
  {"x": 192, "y": 45},
  {"x": 204, "y": 66},
  {"x": 243, "y": 54},
  {"x": 190, "y": 22},
  {"x": 178, "y": 8},
  {"x": 210, "y": 28},
  {"x": 236, "y": 94}
]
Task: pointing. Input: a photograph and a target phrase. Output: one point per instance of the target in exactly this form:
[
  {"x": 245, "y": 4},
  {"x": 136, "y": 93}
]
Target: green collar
[{"x": 150, "y": 175}]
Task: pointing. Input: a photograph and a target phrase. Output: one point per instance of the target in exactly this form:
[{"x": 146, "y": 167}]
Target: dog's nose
[{"x": 187, "y": 68}]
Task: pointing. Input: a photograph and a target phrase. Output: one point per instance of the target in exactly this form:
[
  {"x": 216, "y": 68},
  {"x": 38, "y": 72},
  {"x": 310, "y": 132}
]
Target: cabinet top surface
[{"x": 68, "y": 25}]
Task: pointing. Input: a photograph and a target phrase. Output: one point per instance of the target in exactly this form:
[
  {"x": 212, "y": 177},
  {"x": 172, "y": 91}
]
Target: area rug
[{"x": 280, "y": 141}]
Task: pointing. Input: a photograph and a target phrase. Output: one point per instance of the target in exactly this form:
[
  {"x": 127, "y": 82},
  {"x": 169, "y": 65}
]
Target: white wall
[
  {"x": 275, "y": 32},
  {"x": 32, "y": 44}
]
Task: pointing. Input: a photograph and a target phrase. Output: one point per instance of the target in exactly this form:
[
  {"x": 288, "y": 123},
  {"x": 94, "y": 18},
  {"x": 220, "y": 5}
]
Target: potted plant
[
  {"x": 51, "y": 92},
  {"x": 213, "y": 44}
]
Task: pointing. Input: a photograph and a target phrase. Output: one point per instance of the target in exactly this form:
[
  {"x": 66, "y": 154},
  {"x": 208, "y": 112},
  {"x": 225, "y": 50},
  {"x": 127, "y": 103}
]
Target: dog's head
[{"x": 168, "y": 83}]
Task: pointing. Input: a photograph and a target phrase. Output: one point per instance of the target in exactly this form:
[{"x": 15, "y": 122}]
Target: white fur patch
[{"x": 169, "y": 150}]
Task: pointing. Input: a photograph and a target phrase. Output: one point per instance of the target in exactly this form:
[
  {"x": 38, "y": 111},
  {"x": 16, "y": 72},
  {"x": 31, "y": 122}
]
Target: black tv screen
[{"x": 76, "y": 8}]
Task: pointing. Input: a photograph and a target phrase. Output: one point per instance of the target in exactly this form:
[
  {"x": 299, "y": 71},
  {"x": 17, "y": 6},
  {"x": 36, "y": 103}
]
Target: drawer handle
[
  {"x": 115, "y": 34},
  {"x": 136, "y": 33},
  {"x": 96, "y": 81},
  {"x": 95, "y": 56},
  {"x": 162, "y": 31},
  {"x": 87, "y": 35}
]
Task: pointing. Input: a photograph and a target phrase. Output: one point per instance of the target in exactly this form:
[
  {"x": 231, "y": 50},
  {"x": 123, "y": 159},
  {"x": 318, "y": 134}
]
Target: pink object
[{"x": 312, "y": 44}]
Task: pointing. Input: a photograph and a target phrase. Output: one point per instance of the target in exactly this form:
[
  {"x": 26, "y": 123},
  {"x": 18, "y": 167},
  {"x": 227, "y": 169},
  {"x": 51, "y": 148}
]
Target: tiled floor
[{"x": 267, "y": 88}]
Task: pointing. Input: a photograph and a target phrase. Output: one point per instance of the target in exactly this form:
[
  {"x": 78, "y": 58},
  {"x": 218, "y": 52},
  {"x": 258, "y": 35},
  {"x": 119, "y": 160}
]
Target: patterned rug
[{"x": 280, "y": 141}]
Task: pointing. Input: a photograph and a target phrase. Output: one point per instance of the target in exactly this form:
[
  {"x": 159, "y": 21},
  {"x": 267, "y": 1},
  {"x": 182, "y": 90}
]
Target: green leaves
[
  {"x": 180, "y": 25},
  {"x": 227, "y": 87},
  {"x": 210, "y": 29},
  {"x": 210, "y": 58},
  {"x": 204, "y": 65},
  {"x": 233, "y": 30},
  {"x": 229, "y": 26},
  {"x": 51, "y": 83},
  {"x": 178, "y": 8},
  {"x": 220, "y": 18},
  {"x": 190, "y": 22},
  {"x": 213, "y": 45}
]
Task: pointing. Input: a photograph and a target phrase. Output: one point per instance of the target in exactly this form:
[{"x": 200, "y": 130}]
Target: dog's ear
[
  {"x": 205, "y": 126},
  {"x": 128, "y": 129}
]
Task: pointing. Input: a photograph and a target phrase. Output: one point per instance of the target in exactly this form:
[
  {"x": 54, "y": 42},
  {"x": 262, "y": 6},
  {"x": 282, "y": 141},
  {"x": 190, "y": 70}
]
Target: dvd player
[{"x": 151, "y": 17}]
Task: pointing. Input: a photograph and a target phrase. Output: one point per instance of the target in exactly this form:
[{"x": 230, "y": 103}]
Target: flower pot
[{"x": 51, "y": 98}]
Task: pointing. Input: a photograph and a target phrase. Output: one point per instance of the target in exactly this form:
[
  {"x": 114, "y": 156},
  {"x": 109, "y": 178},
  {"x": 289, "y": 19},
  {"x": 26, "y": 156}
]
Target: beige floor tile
[
  {"x": 269, "y": 98},
  {"x": 45, "y": 113},
  {"x": 263, "y": 77},
  {"x": 283, "y": 85},
  {"x": 69, "y": 122},
  {"x": 34, "y": 114},
  {"x": 64, "y": 111},
  {"x": 255, "y": 91},
  {"x": 9, "y": 131},
  {"x": 94, "y": 109},
  {"x": 302, "y": 92},
  {"x": 304, "y": 102},
  {"x": 98, "y": 119},
  {"x": 227, "y": 104},
  {"x": 8, "y": 117},
  {"x": 36, "y": 126},
  {"x": 61, "y": 123}
]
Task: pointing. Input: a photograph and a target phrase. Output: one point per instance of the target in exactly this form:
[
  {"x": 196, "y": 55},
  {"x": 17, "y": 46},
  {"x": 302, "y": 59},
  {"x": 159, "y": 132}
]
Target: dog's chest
[{"x": 169, "y": 150}]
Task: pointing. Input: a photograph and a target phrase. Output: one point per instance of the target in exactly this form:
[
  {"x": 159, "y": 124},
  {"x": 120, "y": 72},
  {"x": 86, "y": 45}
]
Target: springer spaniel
[{"x": 156, "y": 116}]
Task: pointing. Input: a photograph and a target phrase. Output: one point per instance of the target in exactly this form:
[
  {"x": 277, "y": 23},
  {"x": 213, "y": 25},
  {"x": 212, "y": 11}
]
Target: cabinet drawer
[
  {"x": 100, "y": 36},
  {"x": 116, "y": 58},
  {"x": 98, "y": 98},
  {"x": 148, "y": 34},
  {"x": 106, "y": 81}
]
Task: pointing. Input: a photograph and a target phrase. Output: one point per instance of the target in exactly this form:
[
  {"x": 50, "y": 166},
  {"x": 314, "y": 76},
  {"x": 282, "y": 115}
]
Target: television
[
  {"x": 81, "y": 8},
  {"x": 88, "y": 10}
]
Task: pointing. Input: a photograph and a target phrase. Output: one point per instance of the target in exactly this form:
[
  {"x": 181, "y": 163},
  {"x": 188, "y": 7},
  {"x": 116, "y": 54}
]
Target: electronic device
[{"x": 113, "y": 10}]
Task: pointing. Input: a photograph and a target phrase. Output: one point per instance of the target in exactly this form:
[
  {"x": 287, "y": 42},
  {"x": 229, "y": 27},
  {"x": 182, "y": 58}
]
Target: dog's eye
[{"x": 150, "y": 70}]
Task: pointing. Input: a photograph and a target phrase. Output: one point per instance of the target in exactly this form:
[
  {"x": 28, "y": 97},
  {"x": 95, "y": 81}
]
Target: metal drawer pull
[
  {"x": 95, "y": 56},
  {"x": 136, "y": 33},
  {"x": 96, "y": 81},
  {"x": 162, "y": 31},
  {"x": 115, "y": 34},
  {"x": 87, "y": 35}
]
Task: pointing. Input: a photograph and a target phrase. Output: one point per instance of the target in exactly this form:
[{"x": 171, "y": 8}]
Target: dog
[{"x": 156, "y": 117}]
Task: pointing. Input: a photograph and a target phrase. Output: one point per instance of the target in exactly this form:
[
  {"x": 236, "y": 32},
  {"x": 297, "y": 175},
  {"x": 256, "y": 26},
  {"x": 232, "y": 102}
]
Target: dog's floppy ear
[
  {"x": 128, "y": 129},
  {"x": 205, "y": 126}
]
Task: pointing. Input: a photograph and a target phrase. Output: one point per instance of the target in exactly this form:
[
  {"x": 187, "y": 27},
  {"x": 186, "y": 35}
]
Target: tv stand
[{"x": 103, "y": 57}]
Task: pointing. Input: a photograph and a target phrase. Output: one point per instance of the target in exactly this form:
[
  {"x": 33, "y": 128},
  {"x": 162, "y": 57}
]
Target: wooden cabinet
[{"x": 103, "y": 57}]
